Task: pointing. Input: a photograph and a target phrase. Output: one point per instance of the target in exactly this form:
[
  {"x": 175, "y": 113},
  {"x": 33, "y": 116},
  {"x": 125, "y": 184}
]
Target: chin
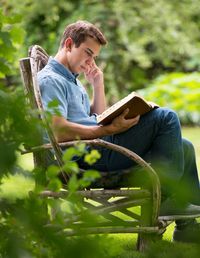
[
  {"x": 77, "y": 71},
  {"x": 81, "y": 70}
]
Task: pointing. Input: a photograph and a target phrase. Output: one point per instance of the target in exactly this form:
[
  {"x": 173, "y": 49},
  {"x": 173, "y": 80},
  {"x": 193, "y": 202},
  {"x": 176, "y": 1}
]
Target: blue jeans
[{"x": 157, "y": 138}]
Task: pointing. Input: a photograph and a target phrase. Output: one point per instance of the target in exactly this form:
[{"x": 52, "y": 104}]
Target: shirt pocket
[{"x": 76, "y": 104}]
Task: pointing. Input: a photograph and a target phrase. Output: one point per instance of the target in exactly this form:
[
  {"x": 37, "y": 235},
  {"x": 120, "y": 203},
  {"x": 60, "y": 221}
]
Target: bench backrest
[{"x": 29, "y": 67}]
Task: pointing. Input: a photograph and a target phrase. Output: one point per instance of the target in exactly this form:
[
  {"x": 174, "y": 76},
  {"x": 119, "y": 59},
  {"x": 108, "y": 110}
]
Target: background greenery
[
  {"x": 154, "y": 48},
  {"x": 146, "y": 38}
]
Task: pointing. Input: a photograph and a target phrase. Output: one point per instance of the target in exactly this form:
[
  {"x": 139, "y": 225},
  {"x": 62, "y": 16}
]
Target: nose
[{"x": 89, "y": 60}]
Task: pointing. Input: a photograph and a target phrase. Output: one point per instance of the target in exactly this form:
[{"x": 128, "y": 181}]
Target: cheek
[
  {"x": 76, "y": 59},
  {"x": 81, "y": 58}
]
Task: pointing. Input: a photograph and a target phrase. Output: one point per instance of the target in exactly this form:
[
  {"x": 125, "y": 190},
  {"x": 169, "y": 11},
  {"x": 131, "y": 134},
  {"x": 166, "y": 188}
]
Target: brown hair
[{"x": 79, "y": 31}]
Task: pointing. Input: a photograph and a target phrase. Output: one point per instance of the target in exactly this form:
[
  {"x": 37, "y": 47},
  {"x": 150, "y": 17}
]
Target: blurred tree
[
  {"x": 11, "y": 39},
  {"x": 145, "y": 37},
  {"x": 13, "y": 126}
]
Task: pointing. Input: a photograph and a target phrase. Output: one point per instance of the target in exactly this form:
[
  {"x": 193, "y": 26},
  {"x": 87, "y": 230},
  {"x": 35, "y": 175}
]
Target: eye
[{"x": 89, "y": 54}]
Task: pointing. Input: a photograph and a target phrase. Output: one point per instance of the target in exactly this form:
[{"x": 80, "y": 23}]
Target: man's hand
[
  {"x": 94, "y": 75},
  {"x": 121, "y": 124}
]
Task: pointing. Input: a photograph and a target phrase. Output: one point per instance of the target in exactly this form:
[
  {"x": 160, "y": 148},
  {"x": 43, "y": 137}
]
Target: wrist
[
  {"x": 98, "y": 85},
  {"x": 107, "y": 129}
]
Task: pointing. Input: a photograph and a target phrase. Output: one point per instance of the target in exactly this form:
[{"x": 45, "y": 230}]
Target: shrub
[{"x": 178, "y": 91}]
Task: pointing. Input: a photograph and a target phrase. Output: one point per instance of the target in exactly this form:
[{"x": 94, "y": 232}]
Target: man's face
[{"x": 81, "y": 59}]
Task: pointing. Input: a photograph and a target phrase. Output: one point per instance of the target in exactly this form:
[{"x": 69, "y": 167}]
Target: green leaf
[
  {"x": 52, "y": 171},
  {"x": 69, "y": 154},
  {"x": 89, "y": 176},
  {"x": 71, "y": 167},
  {"x": 73, "y": 184},
  {"x": 17, "y": 34},
  {"x": 15, "y": 18},
  {"x": 4, "y": 68},
  {"x": 55, "y": 185},
  {"x": 92, "y": 157},
  {"x": 53, "y": 103},
  {"x": 81, "y": 148}
]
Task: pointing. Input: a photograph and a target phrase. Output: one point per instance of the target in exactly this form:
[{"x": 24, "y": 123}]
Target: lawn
[
  {"x": 18, "y": 186},
  {"x": 193, "y": 134}
]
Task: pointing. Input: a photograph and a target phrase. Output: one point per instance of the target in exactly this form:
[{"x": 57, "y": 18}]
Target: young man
[{"x": 156, "y": 134}]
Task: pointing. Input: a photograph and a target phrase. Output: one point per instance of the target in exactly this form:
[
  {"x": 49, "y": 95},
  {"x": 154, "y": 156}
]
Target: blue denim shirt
[{"x": 57, "y": 82}]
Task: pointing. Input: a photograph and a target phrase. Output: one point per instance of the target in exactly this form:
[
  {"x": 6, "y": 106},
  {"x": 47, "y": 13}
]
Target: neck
[{"x": 61, "y": 57}]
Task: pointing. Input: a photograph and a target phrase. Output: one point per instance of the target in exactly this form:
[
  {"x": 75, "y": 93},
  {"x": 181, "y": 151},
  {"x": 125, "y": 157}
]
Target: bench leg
[{"x": 145, "y": 239}]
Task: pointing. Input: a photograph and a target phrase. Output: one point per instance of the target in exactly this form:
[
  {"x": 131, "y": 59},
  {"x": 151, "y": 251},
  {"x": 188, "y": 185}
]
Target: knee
[
  {"x": 170, "y": 113},
  {"x": 188, "y": 147},
  {"x": 168, "y": 116}
]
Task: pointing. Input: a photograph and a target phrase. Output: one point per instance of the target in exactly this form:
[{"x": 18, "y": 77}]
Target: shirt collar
[{"x": 58, "y": 67}]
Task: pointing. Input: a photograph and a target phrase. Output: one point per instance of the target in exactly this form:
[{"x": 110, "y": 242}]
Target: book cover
[{"x": 137, "y": 106}]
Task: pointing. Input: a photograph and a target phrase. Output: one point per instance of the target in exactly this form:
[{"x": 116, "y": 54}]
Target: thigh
[{"x": 157, "y": 132}]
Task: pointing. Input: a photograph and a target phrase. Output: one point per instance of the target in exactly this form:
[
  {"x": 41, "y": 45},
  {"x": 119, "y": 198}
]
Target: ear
[{"x": 69, "y": 43}]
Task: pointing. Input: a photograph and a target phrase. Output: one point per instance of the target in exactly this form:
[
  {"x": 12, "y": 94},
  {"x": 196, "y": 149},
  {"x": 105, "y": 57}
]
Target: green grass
[
  {"x": 18, "y": 186},
  {"x": 193, "y": 134}
]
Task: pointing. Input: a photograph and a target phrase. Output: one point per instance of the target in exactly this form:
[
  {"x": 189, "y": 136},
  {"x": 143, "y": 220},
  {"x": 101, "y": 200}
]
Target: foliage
[
  {"x": 11, "y": 38},
  {"x": 145, "y": 37},
  {"x": 178, "y": 91},
  {"x": 23, "y": 234},
  {"x": 16, "y": 127},
  {"x": 142, "y": 44},
  {"x": 23, "y": 219}
]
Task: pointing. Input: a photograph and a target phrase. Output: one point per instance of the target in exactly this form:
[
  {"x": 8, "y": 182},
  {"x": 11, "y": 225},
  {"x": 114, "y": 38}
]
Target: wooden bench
[{"x": 148, "y": 225}]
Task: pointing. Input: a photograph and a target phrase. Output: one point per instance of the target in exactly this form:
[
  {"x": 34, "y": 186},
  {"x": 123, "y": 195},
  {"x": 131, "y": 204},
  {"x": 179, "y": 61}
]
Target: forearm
[
  {"x": 99, "y": 100},
  {"x": 67, "y": 131},
  {"x": 95, "y": 76}
]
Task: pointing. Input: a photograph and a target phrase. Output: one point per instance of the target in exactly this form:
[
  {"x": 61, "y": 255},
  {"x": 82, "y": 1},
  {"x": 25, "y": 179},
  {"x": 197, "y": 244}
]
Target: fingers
[
  {"x": 91, "y": 71},
  {"x": 125, "y": 112},
  {"x": 94, "y": 74},
  {"x": 121, "y": 124},
  {"x": 92, "y": 67},
  {"x": 94, "y": 70},
  {"x": 136, "y": 119},
  {"x": 133, "y": 120}
]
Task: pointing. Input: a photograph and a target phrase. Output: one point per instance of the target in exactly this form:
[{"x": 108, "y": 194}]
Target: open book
[{"x": 136, "y": 104}]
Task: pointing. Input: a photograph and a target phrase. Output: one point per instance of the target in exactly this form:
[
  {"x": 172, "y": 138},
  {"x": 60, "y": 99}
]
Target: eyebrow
[{"x": 91, "y": 52}]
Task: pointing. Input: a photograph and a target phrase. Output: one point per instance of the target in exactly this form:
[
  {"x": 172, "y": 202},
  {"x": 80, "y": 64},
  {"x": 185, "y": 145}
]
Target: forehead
[{"x": 91, "y": 44}]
